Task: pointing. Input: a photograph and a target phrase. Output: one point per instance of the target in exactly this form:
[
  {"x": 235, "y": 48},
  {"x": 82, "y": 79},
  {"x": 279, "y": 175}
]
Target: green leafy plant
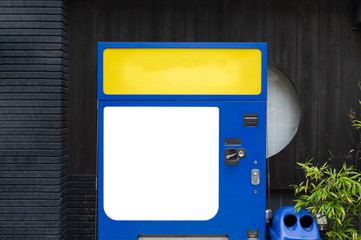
[{"x": 331, "y": 193}]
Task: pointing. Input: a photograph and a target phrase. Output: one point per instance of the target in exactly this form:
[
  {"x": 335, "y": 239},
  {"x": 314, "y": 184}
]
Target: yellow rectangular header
[{"x": 182, "y": 71}]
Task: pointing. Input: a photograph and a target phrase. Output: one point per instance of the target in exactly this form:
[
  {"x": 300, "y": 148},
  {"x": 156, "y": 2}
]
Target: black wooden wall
[{"x": 312, "y": 41}]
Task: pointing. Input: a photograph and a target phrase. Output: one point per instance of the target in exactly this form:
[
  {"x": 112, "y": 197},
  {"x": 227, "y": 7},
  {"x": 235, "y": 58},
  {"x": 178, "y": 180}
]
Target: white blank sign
[{"x": 161, "y": 163}]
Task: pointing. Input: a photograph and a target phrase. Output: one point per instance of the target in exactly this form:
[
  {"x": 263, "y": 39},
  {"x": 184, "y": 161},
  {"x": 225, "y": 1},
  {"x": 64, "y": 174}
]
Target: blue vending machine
[{"x": 182, "y": 141}]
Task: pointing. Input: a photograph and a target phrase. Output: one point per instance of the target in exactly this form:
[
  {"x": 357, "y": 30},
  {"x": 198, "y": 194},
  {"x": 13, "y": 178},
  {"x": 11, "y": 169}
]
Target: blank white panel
[{"x": 161, "y": 163}]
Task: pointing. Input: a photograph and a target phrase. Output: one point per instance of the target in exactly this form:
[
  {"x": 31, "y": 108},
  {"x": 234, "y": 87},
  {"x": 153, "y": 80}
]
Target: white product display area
[{"x": 161, "y": 163}]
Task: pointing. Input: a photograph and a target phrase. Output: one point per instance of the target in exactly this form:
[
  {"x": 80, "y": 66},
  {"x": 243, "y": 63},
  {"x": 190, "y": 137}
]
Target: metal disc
[{"x": 283, "y": 111}]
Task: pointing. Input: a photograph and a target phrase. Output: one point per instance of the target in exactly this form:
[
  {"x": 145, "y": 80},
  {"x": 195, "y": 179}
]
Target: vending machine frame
[{"x": 238, "y": 210}]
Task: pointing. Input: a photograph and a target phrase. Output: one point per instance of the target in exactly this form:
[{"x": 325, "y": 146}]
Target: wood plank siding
[{"x": 312, "y": 42}]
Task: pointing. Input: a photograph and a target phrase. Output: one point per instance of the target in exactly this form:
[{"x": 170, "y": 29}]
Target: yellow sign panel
[{"x": 185, "y": 71}]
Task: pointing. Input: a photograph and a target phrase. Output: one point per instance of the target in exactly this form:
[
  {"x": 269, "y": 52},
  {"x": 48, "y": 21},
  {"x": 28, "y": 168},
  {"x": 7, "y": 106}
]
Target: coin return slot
[{"x": 250, "y": 120}]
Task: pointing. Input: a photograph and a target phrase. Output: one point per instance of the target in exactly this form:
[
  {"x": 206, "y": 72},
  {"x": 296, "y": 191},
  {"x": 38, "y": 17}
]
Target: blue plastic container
[{"x": 287, "y": 225}]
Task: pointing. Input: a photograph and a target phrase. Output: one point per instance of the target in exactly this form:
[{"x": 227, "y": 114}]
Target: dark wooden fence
[{"x": 311, "y": 41}]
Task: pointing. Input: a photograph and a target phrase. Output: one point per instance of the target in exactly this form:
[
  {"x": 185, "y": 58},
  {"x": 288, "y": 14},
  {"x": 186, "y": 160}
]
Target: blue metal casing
[{"x": 241, "y": 204}]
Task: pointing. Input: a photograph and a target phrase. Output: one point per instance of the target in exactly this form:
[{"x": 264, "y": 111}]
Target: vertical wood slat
[
  {"x": 268, "y": 22},
  {"x": 124, "y": 21},
  {"x": 157, "y": 20},
  {"x": 112, "y": 23},
  {"x": 286, "y": 60},
  {"x": 135, "y": 21},
  {"x": 191, "y": 21},
  {"x": 169, "y": 25},
  {"x": 329, "y": 77},
  {"x": 349, "y": 90},
  {"x": 258, "y": 20},
  {"x": 84, "y": 30},
  {"x": 219, "y": 23},
  {"x": 307, "y": 79},
  {"x": 202, "y": 13},
  {"x": 354, "y": 75},
  {"x": 235, "y": 9},
  {"x": 179, "y": 20},
  {"x": 146, "y": 20}
]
